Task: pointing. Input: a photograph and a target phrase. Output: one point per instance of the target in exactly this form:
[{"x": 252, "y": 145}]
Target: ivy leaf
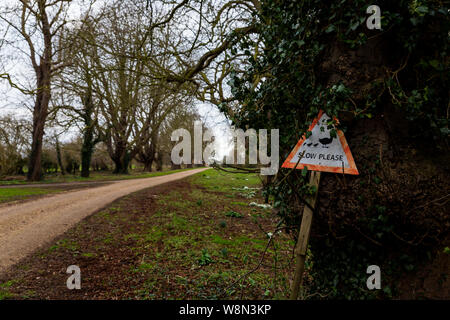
[
  {"x": 445, "y": 131},
  {"x": 331, "y": 28},
  {"x": 304, "y": 171},
  {"x": 422, "y": 9},
  {"x": 387, "y": 291},
  {"x": 354, "y": 26},
  {"x": 414, "y": 21},
  {"x": 434, "y": 64},
  {"x": 333, "y": 133},
  {"x": 300, "y": 43},
  {"x": 340, "y": 88}
]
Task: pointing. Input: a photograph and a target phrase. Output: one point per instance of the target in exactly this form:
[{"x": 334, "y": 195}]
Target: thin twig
[
  {"x": 432, "y": 201},
  {"x": 369, "y": 238},
  {"x": 300, "y": 197},
  {"x": 295, "y": 167}
]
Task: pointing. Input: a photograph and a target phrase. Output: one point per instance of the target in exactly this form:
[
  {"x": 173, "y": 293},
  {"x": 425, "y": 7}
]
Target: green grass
[
  {"x": 233, "y": 214},
  {"x": 13, "y": 194},
  {"x": 195, "y": 236},
  {"x": 225, "y": 182},
  {"x": 4, "y": 290},
  {"x": 64, "y": 244},
  {"x": 95, "y": 176},
  {"x": 200, "y": 235},
  {"x": 187, "y": 243}
]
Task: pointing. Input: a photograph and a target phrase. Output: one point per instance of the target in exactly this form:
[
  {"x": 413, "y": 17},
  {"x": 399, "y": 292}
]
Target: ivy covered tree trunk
[
  {"x": 86, "y": 153},
  {"x": 389, "y": 89},
  {"x": 59, "y": 157},
  {"x": 88, "y": 135},
  {"x": 159, "y": 161}
]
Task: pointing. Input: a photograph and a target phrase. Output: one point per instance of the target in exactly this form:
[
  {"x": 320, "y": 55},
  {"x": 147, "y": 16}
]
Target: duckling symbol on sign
[{"x": 326, "y": 149}]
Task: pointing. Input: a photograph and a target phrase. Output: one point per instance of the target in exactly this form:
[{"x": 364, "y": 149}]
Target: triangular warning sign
[{"x": 322, "y": 151}]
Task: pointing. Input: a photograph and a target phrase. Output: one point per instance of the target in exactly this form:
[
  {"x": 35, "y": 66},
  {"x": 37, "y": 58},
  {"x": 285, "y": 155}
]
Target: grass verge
[
  {"x": 15, "y": 194},
  {"x": 95, "y": 176}
]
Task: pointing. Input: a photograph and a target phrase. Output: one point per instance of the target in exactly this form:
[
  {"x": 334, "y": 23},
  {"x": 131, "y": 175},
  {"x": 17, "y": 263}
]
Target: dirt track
[{"x": 25, "y": 227}]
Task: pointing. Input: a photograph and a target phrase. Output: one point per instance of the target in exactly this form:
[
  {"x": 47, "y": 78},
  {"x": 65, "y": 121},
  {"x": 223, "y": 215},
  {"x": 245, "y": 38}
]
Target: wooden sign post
[
  {"x": 303, "y": 236},
  {"x": 325, "y": 149}
]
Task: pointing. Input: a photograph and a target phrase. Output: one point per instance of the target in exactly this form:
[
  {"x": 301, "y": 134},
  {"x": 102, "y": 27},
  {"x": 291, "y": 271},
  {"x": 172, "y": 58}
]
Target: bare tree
[
  {"x": 209, "y": 29},
  {"x": 77, "y": 102},
  {"x": 132, "y": 100},
  {"x": 39, "y": 23},
  {"x": 14, "y": 142}
]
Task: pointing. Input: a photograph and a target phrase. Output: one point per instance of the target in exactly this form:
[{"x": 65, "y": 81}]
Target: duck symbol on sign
[
  {"x": 323, "y": 141},
  {"x": 309, "y": 144}
]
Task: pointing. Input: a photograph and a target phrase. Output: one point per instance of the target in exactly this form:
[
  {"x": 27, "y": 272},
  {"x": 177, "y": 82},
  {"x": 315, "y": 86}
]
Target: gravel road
[{"x": 27, "y": 226}]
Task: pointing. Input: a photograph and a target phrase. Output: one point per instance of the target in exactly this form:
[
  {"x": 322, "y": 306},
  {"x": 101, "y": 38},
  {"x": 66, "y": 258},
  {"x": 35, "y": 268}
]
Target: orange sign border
[{"x": 351, "y": 170}]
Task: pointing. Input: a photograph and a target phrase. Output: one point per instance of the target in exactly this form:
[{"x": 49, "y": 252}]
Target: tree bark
[
  {"x": 159, "y": 162},
  {"x": 88, "y": 136},
  {"x": 121, "y": 160},
  {"x": 175, "y": 166},
  {"x": 86, "y": 153},
  {"x": 43, "y": 72},
  {"x": 147, "y": 154},
  {"x": 58, "y": 156},
  {"x": 40, "y": 112},
  {"x": 121, "y": 167},
  {"x": 148, "y": 166}
]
